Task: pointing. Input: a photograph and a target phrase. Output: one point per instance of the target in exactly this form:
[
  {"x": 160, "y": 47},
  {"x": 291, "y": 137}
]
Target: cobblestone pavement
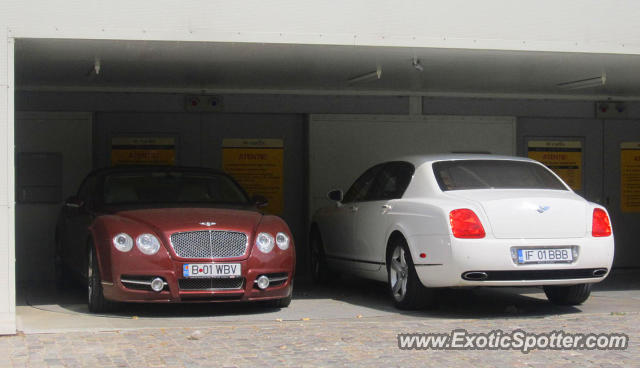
[
  {"x": 353, "y": 342},
  {"x": 346, "y": 326}
]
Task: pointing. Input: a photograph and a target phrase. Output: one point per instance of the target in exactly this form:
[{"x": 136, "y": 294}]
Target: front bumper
[
  {"x": 127, "y": 267},
  {"x": 448, "y": 259}
]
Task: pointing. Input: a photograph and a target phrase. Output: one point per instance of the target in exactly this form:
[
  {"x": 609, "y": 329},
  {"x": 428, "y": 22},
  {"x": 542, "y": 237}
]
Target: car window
[
  {"x": 489, "y": 174},
  {"x": 171, "y": 187},
  {"x": 361, "y": 186},
  {"x": 87, "y": 190},
  {"x": 391, "y": 181}
]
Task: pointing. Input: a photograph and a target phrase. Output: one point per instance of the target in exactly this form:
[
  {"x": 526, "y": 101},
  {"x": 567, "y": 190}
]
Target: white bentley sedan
[{"x": 463, "y": 220}]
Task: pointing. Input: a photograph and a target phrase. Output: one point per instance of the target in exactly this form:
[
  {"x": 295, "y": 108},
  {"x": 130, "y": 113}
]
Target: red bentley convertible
[{"x": 172, "y": 234}]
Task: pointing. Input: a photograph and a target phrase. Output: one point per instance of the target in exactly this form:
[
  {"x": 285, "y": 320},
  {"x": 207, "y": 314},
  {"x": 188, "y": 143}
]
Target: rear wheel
[
  {"x": 319, "y": 268},
  {"x": 404, "y": 285},
  {"x": 568, "y": 295},
  {"x": 96, "y": 300}
]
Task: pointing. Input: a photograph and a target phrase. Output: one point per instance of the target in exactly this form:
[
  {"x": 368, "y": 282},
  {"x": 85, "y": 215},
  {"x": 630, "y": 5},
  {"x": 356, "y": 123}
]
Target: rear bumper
[{"x": 448, "y": 259}]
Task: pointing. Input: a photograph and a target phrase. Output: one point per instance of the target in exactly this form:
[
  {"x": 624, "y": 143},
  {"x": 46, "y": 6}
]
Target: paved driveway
[{"x": 346, "y": 323}]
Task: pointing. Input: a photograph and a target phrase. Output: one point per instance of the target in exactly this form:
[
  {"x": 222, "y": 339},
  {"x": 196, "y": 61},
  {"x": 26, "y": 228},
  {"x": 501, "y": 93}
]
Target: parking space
[
  {"x": 45, "y": 311},
  {"x": 349, "y": 322}
]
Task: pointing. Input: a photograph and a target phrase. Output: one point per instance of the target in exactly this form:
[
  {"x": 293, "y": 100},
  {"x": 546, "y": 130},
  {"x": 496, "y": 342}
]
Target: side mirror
[
  {"x": 259, "y": 201},
  {"x": 73, "y": 202},
  {"x": 335, "y": 195}
]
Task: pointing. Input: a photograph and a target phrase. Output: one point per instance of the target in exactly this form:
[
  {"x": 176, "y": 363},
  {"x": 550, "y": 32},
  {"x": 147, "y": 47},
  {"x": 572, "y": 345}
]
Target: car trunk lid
[{"x": 530, "y": 213}]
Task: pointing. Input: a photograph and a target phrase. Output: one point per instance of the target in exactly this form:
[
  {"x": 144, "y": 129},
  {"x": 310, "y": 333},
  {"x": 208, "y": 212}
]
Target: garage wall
[
  {"x": 341, "y": 147},
  {"x": 285, "y": 116},
  {"x": 184, "y": 127},
  {"x": 67, "y": 136}
]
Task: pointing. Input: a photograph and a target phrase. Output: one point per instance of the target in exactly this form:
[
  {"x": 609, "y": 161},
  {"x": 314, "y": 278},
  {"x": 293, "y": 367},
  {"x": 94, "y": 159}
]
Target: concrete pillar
[{"x": 7, "y": 195}]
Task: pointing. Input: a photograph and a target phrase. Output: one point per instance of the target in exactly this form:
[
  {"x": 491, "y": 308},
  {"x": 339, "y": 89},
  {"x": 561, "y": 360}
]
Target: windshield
[
  {"x": 489, "y": 174},
  {"x": 171, "y": 187}
]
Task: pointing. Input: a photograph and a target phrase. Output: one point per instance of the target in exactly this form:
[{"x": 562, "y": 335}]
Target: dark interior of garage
[{"x": 68, "y": 114}]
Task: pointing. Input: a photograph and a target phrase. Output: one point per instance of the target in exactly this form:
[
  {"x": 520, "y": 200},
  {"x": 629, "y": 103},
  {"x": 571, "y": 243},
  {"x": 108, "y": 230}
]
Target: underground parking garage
[{"x": 326, "y": 112}]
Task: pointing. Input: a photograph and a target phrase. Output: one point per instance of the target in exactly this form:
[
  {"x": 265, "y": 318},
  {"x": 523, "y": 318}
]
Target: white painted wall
[
  {"x": 542, "y": 25},
  {"x": 7, "y": 201},
  {"x": 341, "y": 147}
]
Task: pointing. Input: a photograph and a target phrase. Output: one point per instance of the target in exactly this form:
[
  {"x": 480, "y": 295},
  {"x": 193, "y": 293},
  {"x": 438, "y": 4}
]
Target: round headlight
[
  {"x": 265, "y": 242},
  {"x": 148, "y": 244},
  {"x": 123, "y": 242},
  {"x": 282, "y": 240}
]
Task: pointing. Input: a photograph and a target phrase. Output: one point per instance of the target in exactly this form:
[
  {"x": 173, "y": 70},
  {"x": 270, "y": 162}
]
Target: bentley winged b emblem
[
  {"x": 207, "y": 223},
  {"x": 543, "y": 209}
]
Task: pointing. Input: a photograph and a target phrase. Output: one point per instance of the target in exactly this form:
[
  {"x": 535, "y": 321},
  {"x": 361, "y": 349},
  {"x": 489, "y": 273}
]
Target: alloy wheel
[
  {"x": 399, "y": 273},
  {"x": 90, "y": 276}
]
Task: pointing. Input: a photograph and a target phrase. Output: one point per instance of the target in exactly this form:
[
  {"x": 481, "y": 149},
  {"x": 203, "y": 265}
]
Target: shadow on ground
[{"x": 369, "y": 295}]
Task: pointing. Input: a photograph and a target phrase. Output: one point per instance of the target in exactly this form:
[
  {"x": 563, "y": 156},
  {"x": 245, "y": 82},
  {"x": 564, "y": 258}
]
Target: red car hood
[{"x": 170, "y": 220}]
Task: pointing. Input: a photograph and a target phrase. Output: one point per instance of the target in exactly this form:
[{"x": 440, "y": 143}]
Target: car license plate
[
  {"x": 545, "y": 255},
  {"x": 211, "y": 270}
]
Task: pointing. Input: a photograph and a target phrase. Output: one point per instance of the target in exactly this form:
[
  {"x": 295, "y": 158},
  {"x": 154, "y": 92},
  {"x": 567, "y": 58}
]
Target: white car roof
[{"x": 419, "y": 160}]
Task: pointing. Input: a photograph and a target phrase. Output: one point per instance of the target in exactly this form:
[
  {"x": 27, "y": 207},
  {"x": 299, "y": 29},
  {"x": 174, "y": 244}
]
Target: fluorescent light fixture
[
  {"x": 417, "y": 64},
  {"x": 584, "y": 83},
  {"x": 377, "y": 74}
]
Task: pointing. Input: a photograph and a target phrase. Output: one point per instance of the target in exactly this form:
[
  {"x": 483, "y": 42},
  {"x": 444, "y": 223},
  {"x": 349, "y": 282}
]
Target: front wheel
[
  {"x": 96, "y": 300},
  {"x": 568, "y": 295},
  {"x": 283, "y": 302},
  {"x": 319, "y": 268},
  {"x": 404, "y": 285}
]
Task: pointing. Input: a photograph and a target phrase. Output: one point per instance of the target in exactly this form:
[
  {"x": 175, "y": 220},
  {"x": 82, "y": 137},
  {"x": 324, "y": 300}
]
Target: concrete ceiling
[{"x": 288, "y": 68}]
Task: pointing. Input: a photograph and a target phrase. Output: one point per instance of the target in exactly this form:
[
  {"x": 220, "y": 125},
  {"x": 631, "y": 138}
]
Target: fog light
[
  {"x": 157, "y": 284},
  {"x": 263, "y": 282}
]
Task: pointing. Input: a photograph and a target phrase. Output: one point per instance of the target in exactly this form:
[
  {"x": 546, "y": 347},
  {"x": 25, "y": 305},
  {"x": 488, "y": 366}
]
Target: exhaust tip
[
  {"x": 599, "y": 272},
  {"x": 475, "y": 276}
]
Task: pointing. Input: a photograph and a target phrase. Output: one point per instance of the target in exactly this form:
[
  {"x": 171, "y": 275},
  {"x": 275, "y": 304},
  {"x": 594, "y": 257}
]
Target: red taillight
[
  {"x": 601, "y": 224},
  {"x": 465, "y": 224}
]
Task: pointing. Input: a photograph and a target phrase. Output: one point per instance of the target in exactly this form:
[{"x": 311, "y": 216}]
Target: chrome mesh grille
[
  {"x": 210, "y": 283},
  {"x": 209, "y": 244}
]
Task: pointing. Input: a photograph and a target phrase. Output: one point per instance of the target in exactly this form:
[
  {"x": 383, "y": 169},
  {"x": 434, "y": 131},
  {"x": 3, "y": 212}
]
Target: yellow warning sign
[
  {"x": 563, "y": 157},
  {"x": 630, "y": 176},
  {"x": 143, "y": 151},
  {"x": 257, "y": 164}
]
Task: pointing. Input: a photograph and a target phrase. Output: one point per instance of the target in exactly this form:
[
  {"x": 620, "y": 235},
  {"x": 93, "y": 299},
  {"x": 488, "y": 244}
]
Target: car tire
[
  {"x": 319, "y": 268},
  {"x": 568, "y": 295},
  {"x": 96, "y": 301},
  {"x": 405, "y": 287},
  {"x": 283, "y": 302}
]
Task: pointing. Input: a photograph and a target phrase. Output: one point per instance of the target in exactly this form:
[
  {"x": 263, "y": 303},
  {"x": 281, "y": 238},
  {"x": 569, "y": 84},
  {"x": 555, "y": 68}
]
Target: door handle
[
  {"x": 354, "y": 208},
  {"x": 386, "y": 207}
]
